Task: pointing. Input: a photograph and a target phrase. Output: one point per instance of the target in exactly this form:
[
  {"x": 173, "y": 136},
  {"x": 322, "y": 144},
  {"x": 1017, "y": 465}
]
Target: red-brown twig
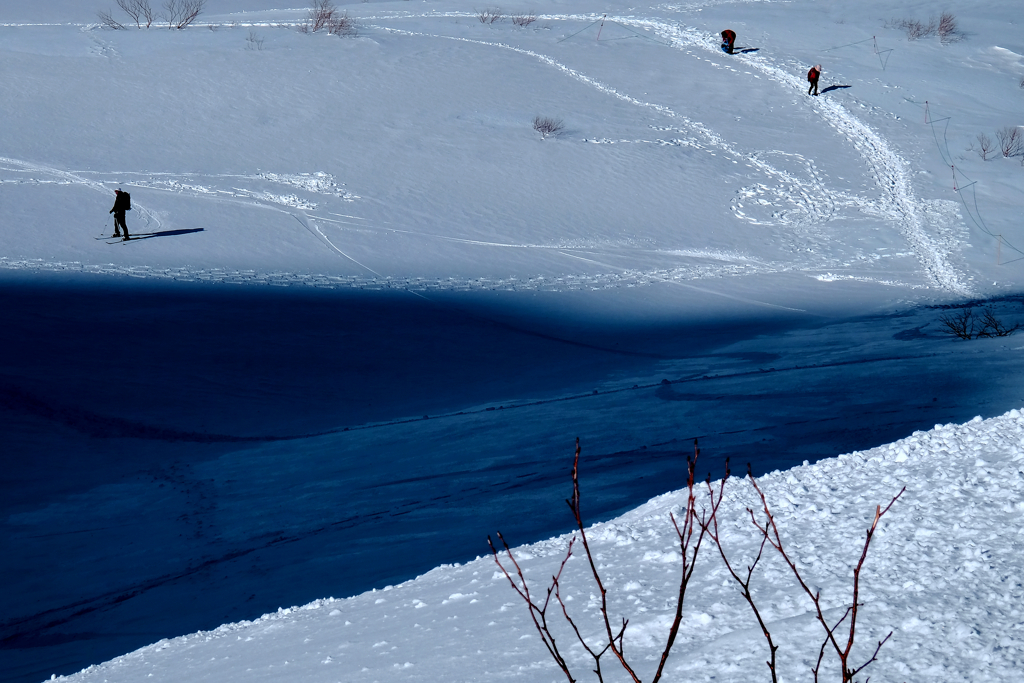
[
  {"x": 537, "y": 613},
  {"x": 771, "y": 532},
  {"x": 614, "y": 637},
  {"x": 686, "y": 543},
  {"x": 574, "y": 505},
  {"x": 744, "y": 583}
]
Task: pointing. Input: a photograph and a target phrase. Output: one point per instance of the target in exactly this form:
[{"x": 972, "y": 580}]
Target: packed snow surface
[{"x": 367, "y": 304}]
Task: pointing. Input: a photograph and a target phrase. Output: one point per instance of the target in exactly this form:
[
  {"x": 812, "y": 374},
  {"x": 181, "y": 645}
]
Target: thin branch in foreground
[
  {"x": 771, "y": 531},
  {"x": 744, "y": 583},
  {"x": 690, "y": 530}
]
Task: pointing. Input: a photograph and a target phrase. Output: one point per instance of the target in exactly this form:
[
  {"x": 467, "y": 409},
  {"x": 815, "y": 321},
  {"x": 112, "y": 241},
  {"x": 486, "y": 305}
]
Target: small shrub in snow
[
  {"x": 985, "y": 146},
  {"x": 254, "y": 42},
  {"x": 524, "y": 19},
  {"x": 1011, "y": 142},
  {"x": 490, "y": 15},
  {"x": 964, "y": 324},
  {"x": 947, "y": 28},
  {"x": 545, "y": 125},
  {"x": 108, "y": 21},
  {"x": 914, "y": 28},
  {"x": 181, "y": 13},
  {"x": 323, "y": 15},
  {"x": 139, "y": 10},
  {"x": 341, "y": 25}
]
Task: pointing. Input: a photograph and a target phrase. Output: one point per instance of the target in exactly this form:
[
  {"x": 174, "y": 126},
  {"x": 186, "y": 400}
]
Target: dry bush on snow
[
  {"x": 254, "y": 42},
  {"x": 108, "y": 21},
  {"x": 945, "y": 27},
  {"x": 914, "y": 28},
  {"x": 992, "y": 327},
  {"x": 524, "y": 19},
  {"x": 323, "y": 15},
  {"x": 341, "y": 25},
  {"x": 490, "y": 16},
  {"x": 545, "y": 125},
  {"x": 1011, "y": 142},
  {"x": 139, "y": 10},
  {"x": 181, "y": 13},
  {"x": 960, "y": 324},
  {"x": 985, "y": 146},
  {"x": 964, "y": 324},
  {"x": 691, "y": 529}
]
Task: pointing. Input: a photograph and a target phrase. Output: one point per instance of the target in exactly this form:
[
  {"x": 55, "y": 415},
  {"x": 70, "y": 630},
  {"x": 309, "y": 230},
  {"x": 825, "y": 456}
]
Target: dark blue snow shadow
[
  {"x": 219, "y": 416},
  {"x": 835, "y": 87},
  {"x": 164, "y": 233},
  {"x": 745, "y": 50}
]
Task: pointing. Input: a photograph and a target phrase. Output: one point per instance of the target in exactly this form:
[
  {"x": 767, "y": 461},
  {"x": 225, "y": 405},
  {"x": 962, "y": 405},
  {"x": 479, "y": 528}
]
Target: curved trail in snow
[
  {"x": 889, "y": 169},
  {"x": 151, "y": 224}
]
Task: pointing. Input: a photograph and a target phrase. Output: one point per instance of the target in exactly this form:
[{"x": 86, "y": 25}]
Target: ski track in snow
[
  {"x": 889, "y": 169},
  {"x": 804, "y": 203}
]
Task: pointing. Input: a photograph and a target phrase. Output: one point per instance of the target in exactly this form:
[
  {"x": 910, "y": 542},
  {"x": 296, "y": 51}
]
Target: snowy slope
[
  {"x": 704, "y": 250},
  {"x": 336, "y": 160},
  {"x": 943, "y": 574}
]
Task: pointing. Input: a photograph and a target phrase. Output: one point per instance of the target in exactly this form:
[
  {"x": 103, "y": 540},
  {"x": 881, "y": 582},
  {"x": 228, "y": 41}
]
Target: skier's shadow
[
  {"x": 745, "y": 50},
  {"x": 165, "y": 233},
  {"x": 835, "y": 87}
]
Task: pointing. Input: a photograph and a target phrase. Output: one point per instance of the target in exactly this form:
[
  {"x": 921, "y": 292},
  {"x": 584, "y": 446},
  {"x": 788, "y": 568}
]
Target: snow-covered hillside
[
  {"x": 367, "y": 301},
  {"x": 943, "y": 574}
]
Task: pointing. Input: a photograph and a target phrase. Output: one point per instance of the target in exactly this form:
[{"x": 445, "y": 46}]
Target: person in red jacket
[
  {"x": 812, "y": 77},
  {"x": 728, "y": 41}
]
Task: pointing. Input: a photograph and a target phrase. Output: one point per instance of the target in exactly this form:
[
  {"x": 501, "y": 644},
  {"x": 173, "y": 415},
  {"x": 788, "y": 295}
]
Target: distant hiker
[
  {"x": 812, "y": 77},
  {"x": 122, "y": 203},
  {"x": 728, "y": 41}
]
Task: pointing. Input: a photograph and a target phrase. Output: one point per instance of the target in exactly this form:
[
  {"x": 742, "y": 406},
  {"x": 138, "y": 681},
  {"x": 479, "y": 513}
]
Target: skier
[
  {"x": 728, "y": 41},
  {"x": 812, "y": 77},
  {"x": 122, "y": 203}
]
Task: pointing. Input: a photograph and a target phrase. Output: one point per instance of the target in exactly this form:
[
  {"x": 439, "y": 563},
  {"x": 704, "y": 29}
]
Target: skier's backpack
[{"x": 127, "y": 201}]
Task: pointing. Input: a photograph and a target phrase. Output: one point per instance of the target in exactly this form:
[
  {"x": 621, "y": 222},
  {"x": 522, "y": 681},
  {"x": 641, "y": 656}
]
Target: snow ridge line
[{"x": 549, "y": 283}]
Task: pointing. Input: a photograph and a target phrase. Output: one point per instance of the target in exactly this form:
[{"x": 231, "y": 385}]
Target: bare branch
[
  {"x": 523, "y": 19},
  {"x": 181, "y": 13},
  {"x": 985, "y": 146},
  {"x": 775, "y": 540},
  {"x": 993, "y": 327},
  {"x": 959, "y": 324},
  {"x": 110, "y": 22},
  {"x": 131, "y": 8},
  {"x": 490, "y": 15},
  {"x": 537, "y": 613},
  {"x": 743, "y": 583},
  {"x": 545, "y": 125},
  {"x": 1011, "y": 141}
]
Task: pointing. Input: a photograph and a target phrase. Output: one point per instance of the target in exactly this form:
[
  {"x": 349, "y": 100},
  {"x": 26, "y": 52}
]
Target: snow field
[
  {"x": 942, "y": 574},
  {"x": 783, "y": 209}
]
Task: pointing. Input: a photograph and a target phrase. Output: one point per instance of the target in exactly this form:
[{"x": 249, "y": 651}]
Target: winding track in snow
[{"x": 889, "y": 169}]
